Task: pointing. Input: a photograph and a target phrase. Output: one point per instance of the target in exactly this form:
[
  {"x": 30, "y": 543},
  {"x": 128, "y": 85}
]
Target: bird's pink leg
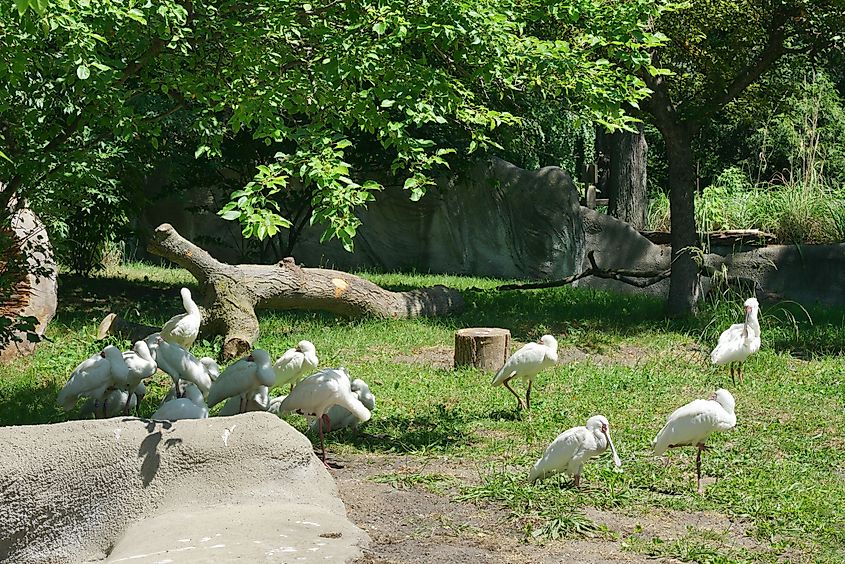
[
  {"x": 520, "y": 404},
  {"x": 739, "y": 367},
  {"x": 731, "y": 365},
  {"x": 322, "y": 442}
]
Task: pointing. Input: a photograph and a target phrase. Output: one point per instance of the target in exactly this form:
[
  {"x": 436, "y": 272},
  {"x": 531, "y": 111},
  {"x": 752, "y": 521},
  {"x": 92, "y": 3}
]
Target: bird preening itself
[
  {"x": 340, "y": 417},
  {"x": 739, "y": 341},
  {"x": 243, "y": 379},
  {"x": 183, "y": 329},
  {"x": 526, "y": 363},
  {"x": 94, "y": 376},
  {"x": 315, "y": 395},
  {"x": 574, "y": 447},
  {"x": 295, "y": 364},
  {"x": 693, "y": 423}
]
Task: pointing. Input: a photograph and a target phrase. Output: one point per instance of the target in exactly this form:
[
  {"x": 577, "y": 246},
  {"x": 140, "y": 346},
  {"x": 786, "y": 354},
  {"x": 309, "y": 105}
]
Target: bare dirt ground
[{"x": 413, "y": 523}]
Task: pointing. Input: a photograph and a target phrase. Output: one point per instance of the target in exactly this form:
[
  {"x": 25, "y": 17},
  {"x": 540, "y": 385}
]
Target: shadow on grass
[
  {"x": 34, "y": 405},
  {"x": 433, "y": 432}
]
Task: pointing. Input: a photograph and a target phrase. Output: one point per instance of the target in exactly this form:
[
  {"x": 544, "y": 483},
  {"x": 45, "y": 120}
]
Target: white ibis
[
  {"x": 140, "y": 364},
  {"x": 93, "y": 376},
  {"x": 114, "y": 402},
  {"x": 192, "y": 406},
  {"x": 739, "y": 341},
  {"x": 526, "y": 363},
  {"x": 243, "y": 378},
  {"x": 183, "y": 329},
  {"x": 296, "y": 363},
  {"x": 693, "y": 423},
  {"x": 316, "y": 394},
  {"x": 341, "y": 417},
  {"x": 180, "y": 364},
  {"x": 573, "y": 448}
]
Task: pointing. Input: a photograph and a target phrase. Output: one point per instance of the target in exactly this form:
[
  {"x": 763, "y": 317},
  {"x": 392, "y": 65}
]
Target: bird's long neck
[
  {"x": 189, "y": 305},
  {"x": 751, "y": 325}
]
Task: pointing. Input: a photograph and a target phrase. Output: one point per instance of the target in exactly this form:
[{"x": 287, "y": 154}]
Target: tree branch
[{"x": 638, "y": 278}]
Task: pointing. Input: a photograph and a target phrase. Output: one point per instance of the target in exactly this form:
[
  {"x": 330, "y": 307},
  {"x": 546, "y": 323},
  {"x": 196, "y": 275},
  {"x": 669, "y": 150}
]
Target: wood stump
[{"x": 486, "y": 348}]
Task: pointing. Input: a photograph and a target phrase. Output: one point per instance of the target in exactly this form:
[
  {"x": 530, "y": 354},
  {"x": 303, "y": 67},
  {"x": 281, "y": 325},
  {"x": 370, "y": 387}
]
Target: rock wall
[
  {"x": 494, "y": 220},
  {"x": 215, "y": 490}
]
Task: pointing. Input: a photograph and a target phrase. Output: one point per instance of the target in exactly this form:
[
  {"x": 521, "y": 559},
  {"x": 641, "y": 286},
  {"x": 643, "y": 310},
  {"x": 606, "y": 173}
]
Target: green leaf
[
  {"x": 3, "y": 155},
  {"x": 83, "y": 72},
  {"x": 202, "y": 149},
  {"x": 230, "y": 215},
  {"x": 22, "y": 5},
  {"x": 137, "y": 15},
  {"x": 387, "y": 103},
  {"x": 380, "y": 27}
]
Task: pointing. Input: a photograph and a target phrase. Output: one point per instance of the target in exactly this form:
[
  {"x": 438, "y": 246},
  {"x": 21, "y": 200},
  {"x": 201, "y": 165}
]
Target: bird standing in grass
[
  {"x": 739, "y": 341},
  {"x": 296, "y": 363},
  {"x": 183, "y": 329},
  {"x": 316, "y": 394},
  {"x": 574, "y": 447},
  {"x": 94, "y": 375},
  {"x": 693, "y": 423},
  {"x": 341, "y": 417},
  {"x": 244, "y": 378},
  {"x": 526, "y": 363},
  {"x": 181, "y": 365},
  {"x": 140, "y": 364}
]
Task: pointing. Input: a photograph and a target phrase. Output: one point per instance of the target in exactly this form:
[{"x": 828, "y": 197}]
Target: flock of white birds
[{"x": 113, "y": 383}]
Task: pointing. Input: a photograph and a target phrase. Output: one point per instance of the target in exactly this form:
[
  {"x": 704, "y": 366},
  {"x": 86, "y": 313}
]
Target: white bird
[
  {"x": 526, "y": 363},
  {"x": 180, "y": 364},
  {"x": 341, "y": 417},
  {"x": 573, "y": 448},
  {"x": 183, "y": 329},
  {"x": 140, "y": 364},
  {"x": 243, "y": 378},
  {"x": 739, "y": 341},
  {"x": 258, "y": 401},
  {"x": 275, "y": 403},
  {"x": 192, "y": 406},
  {"x": 317, "y": 393},
  {"x": 211, "y": 367},
  {"x": 114, "y": 402},
  {"x": 693, "y": 423},
  {"x": 94, "y": 376},
  {"x": 292, "y": 366}
]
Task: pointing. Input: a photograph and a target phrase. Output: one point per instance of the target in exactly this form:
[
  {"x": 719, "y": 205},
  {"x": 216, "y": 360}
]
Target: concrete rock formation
[
  {"x": 125, "y": 489},
  {"x": 494, "y": 220}
]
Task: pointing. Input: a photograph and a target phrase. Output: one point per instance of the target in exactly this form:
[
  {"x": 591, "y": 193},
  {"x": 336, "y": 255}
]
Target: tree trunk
[
  {"x": 484, "y": 348},
  {"x": 626, "y": 184},
  {"x": 685, "y": 285},
  {"x": 231, "y": 293}
]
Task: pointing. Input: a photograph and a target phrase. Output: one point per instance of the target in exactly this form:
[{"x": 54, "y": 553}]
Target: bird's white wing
[
  {"x": 289, "y": 367},
  {"x": 734, "y": 332},
  {"x": 692, "y": 423},
  {"x": 235, "y": 380},
  {"x": 526, "y": 361},
  {"x": 92, "y": 377},
  {"x": 558, "y": 454},
  {"x": 181, "y": 408}
]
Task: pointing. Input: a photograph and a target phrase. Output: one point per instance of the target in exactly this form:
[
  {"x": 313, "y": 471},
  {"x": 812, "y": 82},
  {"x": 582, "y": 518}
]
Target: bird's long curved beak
[{"x": 616, "y": 460}]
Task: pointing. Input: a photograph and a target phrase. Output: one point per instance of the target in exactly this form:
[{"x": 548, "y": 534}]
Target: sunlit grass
[{"x": 782, "y": 470}]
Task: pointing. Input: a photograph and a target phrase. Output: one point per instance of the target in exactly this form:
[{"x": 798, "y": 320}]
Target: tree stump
[{"x": 486, "y": 348}]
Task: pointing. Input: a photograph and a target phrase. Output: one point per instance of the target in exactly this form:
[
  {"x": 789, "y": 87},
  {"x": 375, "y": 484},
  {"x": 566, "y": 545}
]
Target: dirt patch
[
  {"x": 409, "y": 523},
  {"x": 439, "y": 357},
  {"x": 406, "y": 505}
]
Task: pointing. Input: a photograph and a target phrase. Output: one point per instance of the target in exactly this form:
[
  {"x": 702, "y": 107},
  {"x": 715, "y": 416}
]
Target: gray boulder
[{"x": 125, "y": 489}]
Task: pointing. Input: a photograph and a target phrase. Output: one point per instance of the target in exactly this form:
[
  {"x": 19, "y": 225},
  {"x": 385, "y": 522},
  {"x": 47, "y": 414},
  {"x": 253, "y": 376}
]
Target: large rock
[
  {"x": 495, "y": 220},
  {"x": 125, "y": 489},
  {"x": 36, "y": 291}
]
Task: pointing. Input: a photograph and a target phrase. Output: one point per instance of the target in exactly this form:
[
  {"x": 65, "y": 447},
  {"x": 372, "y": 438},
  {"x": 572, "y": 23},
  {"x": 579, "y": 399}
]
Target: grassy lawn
[{"x": 781, "y": 472}]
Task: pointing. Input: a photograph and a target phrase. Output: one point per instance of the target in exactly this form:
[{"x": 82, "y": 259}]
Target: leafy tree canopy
[{"x": 76, "y": 77}]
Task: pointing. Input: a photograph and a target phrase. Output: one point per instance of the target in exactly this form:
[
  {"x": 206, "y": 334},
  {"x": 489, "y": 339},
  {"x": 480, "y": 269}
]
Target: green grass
[{"x": 782, "y": 470}]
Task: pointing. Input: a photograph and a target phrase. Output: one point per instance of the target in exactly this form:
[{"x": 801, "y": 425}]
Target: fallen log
[{"x": 230, "y": 294}]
